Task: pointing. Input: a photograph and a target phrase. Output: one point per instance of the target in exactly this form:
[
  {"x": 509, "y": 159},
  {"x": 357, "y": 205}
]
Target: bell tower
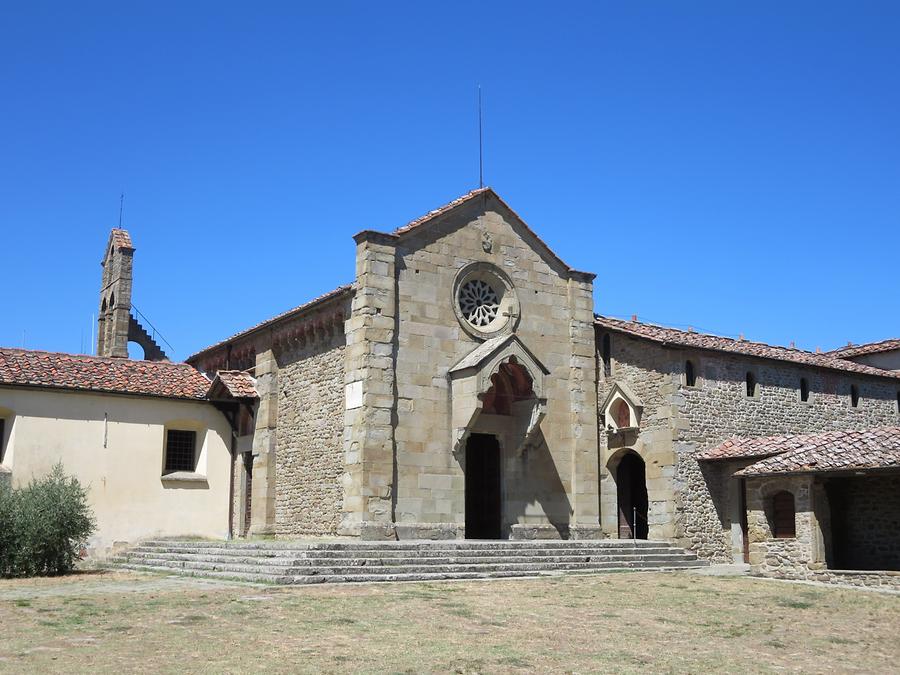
[
  {"x": 115, "y": 296},
  {"x": 116, "y": 325}
]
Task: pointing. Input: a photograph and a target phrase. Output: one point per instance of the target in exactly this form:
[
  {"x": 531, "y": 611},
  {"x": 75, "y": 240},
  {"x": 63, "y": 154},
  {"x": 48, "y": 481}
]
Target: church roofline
[
  {"x": 417, "y": 224},
  {"x": 339, "y": 292},
  {"x": 673, "y": 337}
]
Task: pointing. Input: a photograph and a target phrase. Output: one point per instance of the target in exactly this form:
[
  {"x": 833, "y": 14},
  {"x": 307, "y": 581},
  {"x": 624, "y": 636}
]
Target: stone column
[
  {"x": 368, "y": 479},
  {"x": 262, "y": 507},
  {"x": 583, "y": 397}
]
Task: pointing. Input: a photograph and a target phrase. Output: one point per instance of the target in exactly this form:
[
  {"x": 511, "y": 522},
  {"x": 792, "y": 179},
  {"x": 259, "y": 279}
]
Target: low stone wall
[{"x": 866, "y": 578}]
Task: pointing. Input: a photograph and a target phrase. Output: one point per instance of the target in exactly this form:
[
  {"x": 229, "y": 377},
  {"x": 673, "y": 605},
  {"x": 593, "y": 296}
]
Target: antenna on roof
[
  {"x": 121, "y": 208},
  {"x": 480, "y": 143}
]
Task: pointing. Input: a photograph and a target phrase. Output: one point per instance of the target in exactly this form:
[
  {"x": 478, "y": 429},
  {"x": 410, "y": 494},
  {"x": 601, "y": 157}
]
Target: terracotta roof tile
[
  {"x": 121, "y": 238},
  {"x": 56, "y": 370},
  {"x": 340, "y": 290},
  {"x": 239, "y": 383},
  {"x": 764, "y": 446},
  {"x": 680, "y": 338},
  {"x": 869, "y": 348},
  {"x": 831, "y": 451}
]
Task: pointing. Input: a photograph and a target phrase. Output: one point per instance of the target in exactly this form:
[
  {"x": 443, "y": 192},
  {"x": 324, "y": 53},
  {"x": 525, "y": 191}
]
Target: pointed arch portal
[{"x": 631, "y": 494}]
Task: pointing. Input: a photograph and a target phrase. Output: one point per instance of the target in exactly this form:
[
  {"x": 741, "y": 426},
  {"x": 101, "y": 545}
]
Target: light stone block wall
[
  {"x": 310, "y": 461},
  {"x": 556, "y": 483},
  {"x": 690, "y": 500}
]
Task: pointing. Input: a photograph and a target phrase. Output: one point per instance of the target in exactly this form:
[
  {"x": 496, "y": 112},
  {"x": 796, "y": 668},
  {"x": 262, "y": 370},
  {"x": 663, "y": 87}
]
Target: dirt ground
[{"x": 636, "y": 622}]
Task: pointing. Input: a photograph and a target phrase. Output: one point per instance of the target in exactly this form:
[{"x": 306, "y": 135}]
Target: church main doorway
[
  {"x": 483, "y": 502},
  {"x": 631, "y": 488}
]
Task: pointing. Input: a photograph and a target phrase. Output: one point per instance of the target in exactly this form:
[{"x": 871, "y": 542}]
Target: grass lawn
[{"x": 637, "y": 622}]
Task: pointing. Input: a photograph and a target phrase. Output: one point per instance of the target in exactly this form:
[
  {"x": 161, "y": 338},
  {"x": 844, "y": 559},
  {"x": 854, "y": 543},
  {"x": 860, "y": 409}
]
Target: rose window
[{"x": 478, "y": 302}]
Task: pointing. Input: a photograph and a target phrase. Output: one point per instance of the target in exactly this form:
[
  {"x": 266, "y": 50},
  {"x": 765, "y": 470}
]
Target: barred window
[{"x": 180, "y": 446}]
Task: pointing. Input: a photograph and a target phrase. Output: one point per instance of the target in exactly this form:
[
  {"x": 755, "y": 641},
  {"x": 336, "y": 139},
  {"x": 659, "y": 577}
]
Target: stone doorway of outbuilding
[
  {"x": 484, "y": 513},
  {"x": 631, "y": 497},
  {"x": 864, "y": 513}
]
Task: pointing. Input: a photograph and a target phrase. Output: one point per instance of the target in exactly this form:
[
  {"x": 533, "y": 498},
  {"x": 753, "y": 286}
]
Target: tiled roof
[
  {"x": 431, "y": 215},
  {"x": 340, "y": 290},
  {"x": 765, "y": 446},
  {"x": 121, "y": 238},
  {"x": 239, "y": 383},
  {"x": 680, "y": 338},
  {"x": 869, "y": 348},
  {"x": 877, "y": 448},
  {"x": 55, "y": 370}
]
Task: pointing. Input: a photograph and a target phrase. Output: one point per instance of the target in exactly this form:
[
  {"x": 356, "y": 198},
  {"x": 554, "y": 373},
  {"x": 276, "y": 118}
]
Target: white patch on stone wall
[{"x": 353, "y": 393}]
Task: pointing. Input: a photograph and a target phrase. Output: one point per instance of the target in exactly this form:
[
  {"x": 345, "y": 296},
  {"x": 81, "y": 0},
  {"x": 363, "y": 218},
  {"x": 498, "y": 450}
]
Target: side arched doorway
[{"x": 631, "y": 493}]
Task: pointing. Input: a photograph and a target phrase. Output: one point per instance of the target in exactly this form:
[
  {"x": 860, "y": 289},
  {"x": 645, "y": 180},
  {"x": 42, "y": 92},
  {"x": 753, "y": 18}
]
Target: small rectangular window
[
  {"x": 804, "y": 390},
  {"x": 751, "y": 385},
  {"x": 854, "y": 396},
  {"x": 690, "y": 375},
  {"x": 180, "y": 450}
]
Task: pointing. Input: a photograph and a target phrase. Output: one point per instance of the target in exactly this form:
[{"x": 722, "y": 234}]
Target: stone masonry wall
[
  {"x": 309, "y": 460},
  {"x": 554, "y": 322},
  {"x": 683, "y": 420}
]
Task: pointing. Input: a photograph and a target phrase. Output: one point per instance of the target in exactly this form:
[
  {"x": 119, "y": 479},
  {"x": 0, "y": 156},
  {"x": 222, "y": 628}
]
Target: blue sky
[{"x": 729, "y": 166}]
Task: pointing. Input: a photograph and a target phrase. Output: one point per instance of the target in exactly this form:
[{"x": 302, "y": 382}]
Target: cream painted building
[{"x": 111, "y": 422}]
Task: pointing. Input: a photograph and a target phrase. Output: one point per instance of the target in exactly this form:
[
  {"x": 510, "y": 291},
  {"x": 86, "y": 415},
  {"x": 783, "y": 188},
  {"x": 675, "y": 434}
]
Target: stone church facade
[{"x": 462, "y": 386}]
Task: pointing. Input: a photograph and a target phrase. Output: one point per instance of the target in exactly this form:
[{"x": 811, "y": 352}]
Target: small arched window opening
[
  {"x": 854, "y": 396},
  {"x": 621, "y": 414},
  {"x": 605, "y": 354},
  {"x": 112, "y": 300},
  {"x": 783, "y": 516},
  {"x": 690, "y": 375},
  {"x": 804, "y": 390},
  {"x": 103, "y": 305},
  {"x": 751, "y": 384}
]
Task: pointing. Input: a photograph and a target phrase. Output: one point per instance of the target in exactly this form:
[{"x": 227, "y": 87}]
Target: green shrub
[{"x": 45, "y": 526}]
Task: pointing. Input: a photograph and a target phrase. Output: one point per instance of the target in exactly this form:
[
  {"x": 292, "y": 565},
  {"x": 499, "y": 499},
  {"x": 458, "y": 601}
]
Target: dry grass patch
[{"x": 614, "y": 623}]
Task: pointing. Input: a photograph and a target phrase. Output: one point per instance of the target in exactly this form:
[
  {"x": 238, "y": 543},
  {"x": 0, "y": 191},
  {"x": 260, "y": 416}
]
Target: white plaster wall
[{"x": 124, "y": 479}]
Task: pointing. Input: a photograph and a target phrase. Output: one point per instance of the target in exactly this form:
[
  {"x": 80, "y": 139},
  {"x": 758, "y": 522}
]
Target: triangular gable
[
  {"x": 624, "y": 391},
  {"x": 423, "y": 223}
]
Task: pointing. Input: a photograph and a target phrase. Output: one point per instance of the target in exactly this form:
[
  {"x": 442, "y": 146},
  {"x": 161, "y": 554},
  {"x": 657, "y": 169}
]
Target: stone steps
[{"x": 315, "y": 562}]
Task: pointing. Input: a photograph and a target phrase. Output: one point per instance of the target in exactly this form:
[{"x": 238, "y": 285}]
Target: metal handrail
[{"x": 153, "y": 328}]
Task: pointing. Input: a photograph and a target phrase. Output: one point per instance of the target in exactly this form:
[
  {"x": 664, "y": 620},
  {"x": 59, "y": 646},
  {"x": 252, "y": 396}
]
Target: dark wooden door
[
  {"x": 631, "y": 495},
  {"x": 483, "y": 503}
]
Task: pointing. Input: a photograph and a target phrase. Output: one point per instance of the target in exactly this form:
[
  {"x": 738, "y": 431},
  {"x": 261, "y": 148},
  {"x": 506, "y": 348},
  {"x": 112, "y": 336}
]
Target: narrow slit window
[
  {"x": 690, "y": 375},
  {"x": 783, "y": 516},
  {"x": 854, "y": 396},
  {"x": 606, "y": 354},
  {"x": 804, "y": 390},
  {"x": 3, "y": 437},
  {"x": 180, "y": 450},
  {"x": 751, "y": 384}
]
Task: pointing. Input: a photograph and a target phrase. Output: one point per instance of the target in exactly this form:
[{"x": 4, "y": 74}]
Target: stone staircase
[{"x": 298, "y": 562}]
